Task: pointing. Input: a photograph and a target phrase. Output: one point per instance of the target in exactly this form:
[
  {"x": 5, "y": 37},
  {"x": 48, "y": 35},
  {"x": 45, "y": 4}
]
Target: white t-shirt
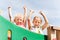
[{"x": 36, "y": 30}]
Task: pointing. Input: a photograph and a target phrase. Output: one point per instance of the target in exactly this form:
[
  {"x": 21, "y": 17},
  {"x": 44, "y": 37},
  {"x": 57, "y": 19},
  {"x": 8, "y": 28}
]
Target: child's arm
[
  {"x": 46, "y": 21},
  {"x": 25, "y": 14},
  {"x": 9, "y": 12},
  {"x": 29, "y": 23}
]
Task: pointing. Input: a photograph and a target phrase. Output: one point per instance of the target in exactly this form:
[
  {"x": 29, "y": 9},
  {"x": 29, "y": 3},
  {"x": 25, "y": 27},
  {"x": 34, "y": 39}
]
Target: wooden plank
[
  {"x": 56, "y": 28},
  {"x": 58, "y": 34},
  {"x": 51, "y": 32}
]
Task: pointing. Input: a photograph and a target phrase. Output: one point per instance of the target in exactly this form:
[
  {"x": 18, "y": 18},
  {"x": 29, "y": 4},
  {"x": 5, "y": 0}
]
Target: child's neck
[{"x": 36, "y": 26}]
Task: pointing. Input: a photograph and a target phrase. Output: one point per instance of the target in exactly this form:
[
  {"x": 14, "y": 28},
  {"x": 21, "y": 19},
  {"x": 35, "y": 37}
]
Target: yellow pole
[{"x": 9, "y": 35}]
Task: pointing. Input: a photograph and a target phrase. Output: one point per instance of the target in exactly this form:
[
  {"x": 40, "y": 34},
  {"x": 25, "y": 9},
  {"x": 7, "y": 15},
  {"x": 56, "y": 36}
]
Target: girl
[
  {"x": 19, "y": 19},
  {"x": 37, "y": 21}
]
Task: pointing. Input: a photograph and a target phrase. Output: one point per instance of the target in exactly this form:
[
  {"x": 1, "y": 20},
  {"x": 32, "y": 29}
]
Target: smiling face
[
  {"x": 18, "y": 19},
  {"x": 37, "y": 21}
]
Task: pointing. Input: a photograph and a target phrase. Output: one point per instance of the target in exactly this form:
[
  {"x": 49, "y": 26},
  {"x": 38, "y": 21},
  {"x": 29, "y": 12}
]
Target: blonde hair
[
  {"x": 18, "y": 15},
  {"x": 37, "y": 17}
]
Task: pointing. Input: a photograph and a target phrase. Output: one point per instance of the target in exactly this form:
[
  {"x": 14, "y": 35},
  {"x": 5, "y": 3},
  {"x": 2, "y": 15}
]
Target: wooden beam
[{"x": 56, "y": 28}]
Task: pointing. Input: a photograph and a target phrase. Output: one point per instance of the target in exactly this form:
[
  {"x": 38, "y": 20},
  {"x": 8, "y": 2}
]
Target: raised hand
[
  {"x": 31, "y": 12},
  {"x": 9, "y": 8},
  {"x": 40, "y": 12},
  {"x": 10, "y": 14},
  {"x": 24, "y": 7},
  {"x": 25, "y": 14},
  {"x": 45, "y": 19}
]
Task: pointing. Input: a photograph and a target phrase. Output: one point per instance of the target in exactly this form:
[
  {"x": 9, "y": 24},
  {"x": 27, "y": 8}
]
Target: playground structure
[
  {"x": 53, "y": 30},
  {"x": 17, "y": 33}
]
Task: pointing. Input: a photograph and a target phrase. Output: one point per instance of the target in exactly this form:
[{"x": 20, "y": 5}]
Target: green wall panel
[{"x": 18, "y": 33}]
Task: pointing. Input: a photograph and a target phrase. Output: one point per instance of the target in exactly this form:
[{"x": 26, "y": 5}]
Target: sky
[{"x": 51, "y": 8}]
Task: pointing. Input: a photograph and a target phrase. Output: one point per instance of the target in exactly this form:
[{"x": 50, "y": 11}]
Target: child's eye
[
  {"x": 38, "y": 22},
  {"x": 20, "y": 19},
  {"x": 35, "y": 21},
  {"x": 17, "y": 19}
]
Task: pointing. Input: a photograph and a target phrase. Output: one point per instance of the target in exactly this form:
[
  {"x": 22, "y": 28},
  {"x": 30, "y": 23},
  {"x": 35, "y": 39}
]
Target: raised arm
[
  {"x": 25, "y": 14},
  {"x": 9, "y": 12},
  {"x": 29, "y": 23},
  {"x": 45, "y": 19}
]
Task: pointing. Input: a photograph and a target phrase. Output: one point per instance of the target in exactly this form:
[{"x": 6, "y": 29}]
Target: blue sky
[{"x": 51, "y": 8}]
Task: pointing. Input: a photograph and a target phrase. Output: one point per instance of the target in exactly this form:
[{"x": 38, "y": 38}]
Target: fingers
[
  {"x": 9, "y": 7},
  {"x": 31, "y": 11},
  {"x": 40, "y": 12},
  {"x": 24, "y": 7}
]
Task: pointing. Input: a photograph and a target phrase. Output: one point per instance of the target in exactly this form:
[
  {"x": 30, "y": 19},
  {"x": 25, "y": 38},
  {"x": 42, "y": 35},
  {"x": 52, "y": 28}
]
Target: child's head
[
  {"x": 37, "y": 21},
  {"x": 18, "y": 19}
]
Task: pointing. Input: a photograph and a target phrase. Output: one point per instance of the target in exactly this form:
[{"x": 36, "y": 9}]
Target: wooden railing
[{"x": 53, "y": 32}]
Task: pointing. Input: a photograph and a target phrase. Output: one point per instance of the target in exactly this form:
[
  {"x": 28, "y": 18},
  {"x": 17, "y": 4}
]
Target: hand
[
  {"x": 31, "y": 11},
  {"x": 41, "y": 12},
  {"x": 24, "y": 7},
  {"x": 9, "y": 7}
]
